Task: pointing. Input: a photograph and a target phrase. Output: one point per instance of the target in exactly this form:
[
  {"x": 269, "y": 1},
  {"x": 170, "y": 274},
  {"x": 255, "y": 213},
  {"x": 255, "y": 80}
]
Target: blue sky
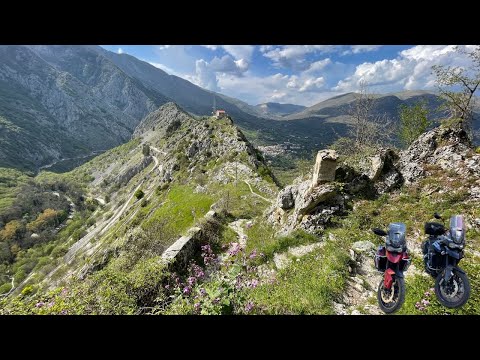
[{"x": 298, "y": 74}]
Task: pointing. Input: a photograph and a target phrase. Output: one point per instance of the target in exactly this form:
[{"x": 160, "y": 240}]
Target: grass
[
  {"x": 308, "y": 286},
  {"x": 182, "y": 208},
  {"x": 262, "y": 236}
]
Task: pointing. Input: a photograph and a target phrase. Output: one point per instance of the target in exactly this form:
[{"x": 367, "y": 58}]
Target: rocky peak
[{"x": 167, "y": 117}]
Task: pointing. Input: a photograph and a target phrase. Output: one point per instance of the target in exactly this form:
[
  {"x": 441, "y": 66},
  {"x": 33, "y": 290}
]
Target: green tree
[
  {"x": 413, "y": 122},
  {"x": 139, "y": 194},
  {"x": 458, "y": 85},
  {"x": 146, "y": 150}
]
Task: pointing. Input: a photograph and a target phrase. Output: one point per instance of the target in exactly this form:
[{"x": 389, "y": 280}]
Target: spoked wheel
[
  {"x": 454, "y": 292},
  {"x": 390, "y": 300}
]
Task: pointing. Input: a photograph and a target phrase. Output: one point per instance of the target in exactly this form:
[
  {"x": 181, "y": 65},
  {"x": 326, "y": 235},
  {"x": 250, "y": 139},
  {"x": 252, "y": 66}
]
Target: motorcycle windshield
[
  {"x": 396, "y": 235},
  {"x": 457, "y": 229}
]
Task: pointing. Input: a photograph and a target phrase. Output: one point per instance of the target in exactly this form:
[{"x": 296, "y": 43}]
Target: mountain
[
  {"x": 189, "y": 96},
  {"x": 270, "y": 109},
  {"x": 336, "y": 108},
  {"x": 61, "y": 105},
  {"x": 62, "y": 101},
  {"x": 65, "y": 101}
]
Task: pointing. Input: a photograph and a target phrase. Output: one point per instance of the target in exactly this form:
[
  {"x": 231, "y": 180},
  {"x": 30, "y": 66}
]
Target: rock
[
  {"x": 312, "y": 198},
  {"x": 442, "y": 146},
  {"x": 356, "y": 312},
  {"x": 363, "y": 246},
  {"x": 325, "y": 166},
  {"x": 376, "y": 168},
  {"x": 200, "y": 189},
  {"x": 285, "y": 199},
  {"x": 125, "y": 177},
  {"x": 34, "y": 236},
  {"x": 345, "y": 173}
]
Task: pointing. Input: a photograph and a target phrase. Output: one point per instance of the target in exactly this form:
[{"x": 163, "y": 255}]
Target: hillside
[
  {"x": 336, "y": 108},
  {"x": 183, "y": 166}
]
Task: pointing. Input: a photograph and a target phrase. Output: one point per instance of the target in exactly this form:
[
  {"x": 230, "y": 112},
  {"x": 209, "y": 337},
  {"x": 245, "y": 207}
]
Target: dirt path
[
  {"x": 238, "y": 227},
  {"x": 254, "y": 193},
  {"x": 102, "y": 227},
  {"x": 99, "y": 230}
]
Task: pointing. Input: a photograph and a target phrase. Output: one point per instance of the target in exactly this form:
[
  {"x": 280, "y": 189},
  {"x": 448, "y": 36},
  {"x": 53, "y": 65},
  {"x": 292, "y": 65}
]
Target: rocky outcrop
[
  {"x": 167, "y": 119},
  {"x": 309, "y": 204},
  {"x": 134, "y": 170},
  {"x": 446, "y": 147},
  {"x": 384, "y": 173}
]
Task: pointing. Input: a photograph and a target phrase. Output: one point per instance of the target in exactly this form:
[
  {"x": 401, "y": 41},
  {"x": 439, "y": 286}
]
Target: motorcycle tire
[
  {"x": 443, "y": 291},
  {"x": 397, "y": 298}
]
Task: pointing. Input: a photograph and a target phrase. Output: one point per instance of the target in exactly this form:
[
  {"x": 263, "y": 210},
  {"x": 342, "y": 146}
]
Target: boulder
[
  {"x": 363, "y": 246},
  {"x": 309, "y": 200},
  {"x": 285, "y": 199},
  {"x": 325, "y": 166}
]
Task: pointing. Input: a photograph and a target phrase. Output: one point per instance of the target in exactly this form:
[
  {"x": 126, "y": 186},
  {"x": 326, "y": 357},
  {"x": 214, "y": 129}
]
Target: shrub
[
  {"x": 5, "y": 288},
  {"x": 28, "y": 290},
  {"x": 139, "y": 194}
]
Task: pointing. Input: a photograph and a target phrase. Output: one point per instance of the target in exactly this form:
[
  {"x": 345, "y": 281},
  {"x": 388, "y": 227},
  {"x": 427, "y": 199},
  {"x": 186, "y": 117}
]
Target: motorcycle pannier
[
  {"x": 396, "y": 238},
  {"x": 432, "y": 228},
  {"x": 381, "y": 259}
]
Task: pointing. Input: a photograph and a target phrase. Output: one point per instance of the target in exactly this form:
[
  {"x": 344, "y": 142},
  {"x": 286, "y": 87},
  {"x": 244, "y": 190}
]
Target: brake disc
[{"x": 387, "y": 295}]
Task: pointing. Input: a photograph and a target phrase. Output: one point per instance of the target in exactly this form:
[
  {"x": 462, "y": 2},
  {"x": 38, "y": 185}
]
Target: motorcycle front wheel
[
  {"x": 455, "y": 292},
  {"x": 390, "y": 300}
]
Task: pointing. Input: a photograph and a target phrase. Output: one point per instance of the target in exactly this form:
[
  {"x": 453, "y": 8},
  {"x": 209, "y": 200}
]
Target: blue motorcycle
[{"x": 442, "y": 251}]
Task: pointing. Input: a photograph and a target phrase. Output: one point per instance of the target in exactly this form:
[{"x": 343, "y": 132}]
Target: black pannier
[
  {"x": 381, "y": 259},
  {"x": 432, "y": 228}
]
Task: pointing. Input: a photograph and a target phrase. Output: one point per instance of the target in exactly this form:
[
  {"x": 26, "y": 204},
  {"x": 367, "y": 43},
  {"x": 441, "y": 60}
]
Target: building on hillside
[{"x": 220, "y": 114}]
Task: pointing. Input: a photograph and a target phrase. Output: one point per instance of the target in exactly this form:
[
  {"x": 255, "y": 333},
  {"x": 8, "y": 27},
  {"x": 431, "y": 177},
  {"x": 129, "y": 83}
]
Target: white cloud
[
  {"x": 293, "y": 56},
  {"x": 120, "y": 51},
  {"x": 277, "y": 88},
  {"x": 227, "y": 65},
  {"x": 237, "y": 51},
  {"x": 164, "y": 47},
  {"x": 412, "y": 69},
  {"x": 240, "y": 51},
  {"x": 317, "y": 66},
  {"x": 205, "y": 76},
  {"x": 357, "y": 49}
]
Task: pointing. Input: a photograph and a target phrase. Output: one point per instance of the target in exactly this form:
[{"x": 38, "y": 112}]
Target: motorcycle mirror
[
  {"x": 437, "y": 216},
  {"x": 379, "y": 232}
]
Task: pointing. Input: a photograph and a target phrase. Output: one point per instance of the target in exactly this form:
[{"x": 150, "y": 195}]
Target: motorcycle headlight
[{"x": 457, "y": 236}]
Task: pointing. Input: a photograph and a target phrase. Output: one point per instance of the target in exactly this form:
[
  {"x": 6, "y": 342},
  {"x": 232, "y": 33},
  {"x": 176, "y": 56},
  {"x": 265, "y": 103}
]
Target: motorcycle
[
  {"x": 442, "y": 251},
  {"x": 392, "y": 260}
]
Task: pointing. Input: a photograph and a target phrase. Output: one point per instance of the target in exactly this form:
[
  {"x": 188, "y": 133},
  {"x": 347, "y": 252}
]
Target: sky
[{"x": 298, "y": 74}]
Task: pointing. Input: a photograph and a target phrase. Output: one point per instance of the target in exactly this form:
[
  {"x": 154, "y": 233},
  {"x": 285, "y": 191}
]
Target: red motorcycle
[{"x": 392, "y": 260}]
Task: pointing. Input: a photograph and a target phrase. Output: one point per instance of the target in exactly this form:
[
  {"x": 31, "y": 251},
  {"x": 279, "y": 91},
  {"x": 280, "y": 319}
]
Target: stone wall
[{"x": 184, "y": 249}]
